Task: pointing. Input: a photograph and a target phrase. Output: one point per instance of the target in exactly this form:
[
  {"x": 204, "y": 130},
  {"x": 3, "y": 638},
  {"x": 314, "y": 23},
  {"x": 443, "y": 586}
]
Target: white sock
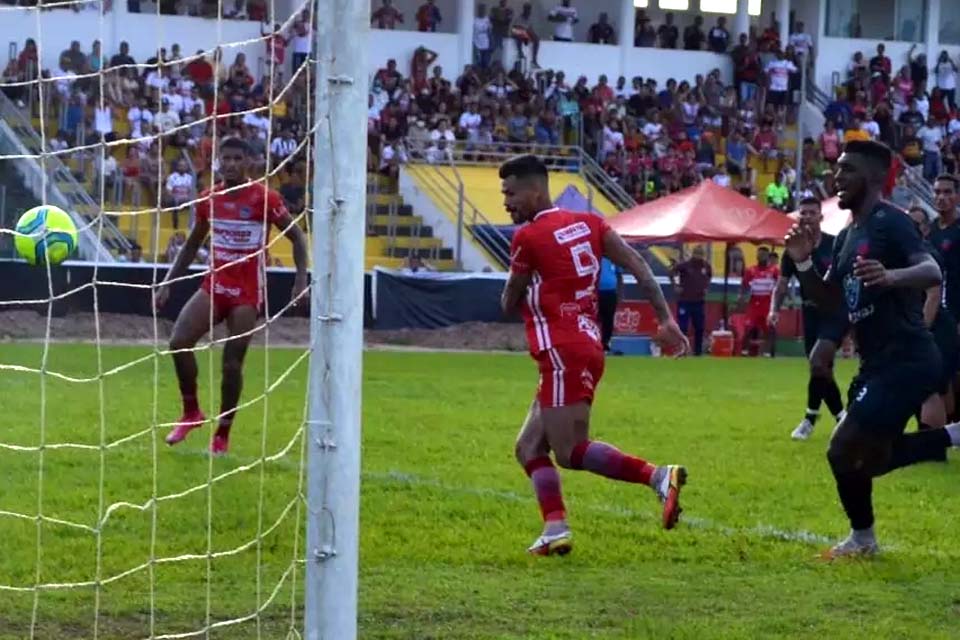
[{"x": 953, "y": 430}]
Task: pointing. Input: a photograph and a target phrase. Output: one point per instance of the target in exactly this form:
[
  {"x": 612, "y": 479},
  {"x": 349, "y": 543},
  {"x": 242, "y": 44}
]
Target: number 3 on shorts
[{"x": 583, "y": 259}]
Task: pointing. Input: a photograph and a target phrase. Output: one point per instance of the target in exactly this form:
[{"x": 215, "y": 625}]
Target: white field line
[{"x": 759, "y": 530}]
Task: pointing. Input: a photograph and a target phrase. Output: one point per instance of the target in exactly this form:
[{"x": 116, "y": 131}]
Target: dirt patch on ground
[{"x": 22, "y": 325}]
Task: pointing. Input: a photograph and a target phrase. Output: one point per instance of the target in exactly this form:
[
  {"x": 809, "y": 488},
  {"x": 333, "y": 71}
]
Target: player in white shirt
[{"x": 565, "y": 17}]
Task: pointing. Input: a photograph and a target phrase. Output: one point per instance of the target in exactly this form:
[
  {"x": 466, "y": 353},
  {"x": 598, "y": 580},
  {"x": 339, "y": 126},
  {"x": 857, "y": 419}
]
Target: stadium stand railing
[
  {"x": 62, "y": 188},
  {"x": 449, "y": 190}
]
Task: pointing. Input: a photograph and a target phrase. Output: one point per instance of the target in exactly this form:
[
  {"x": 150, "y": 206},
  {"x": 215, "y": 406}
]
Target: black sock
[
  {"x": 927, "y": 445},
  {"x": 830, "y": 393},
  {"x": 856, "y": 495},
  {"x": 814, "y": 396}
]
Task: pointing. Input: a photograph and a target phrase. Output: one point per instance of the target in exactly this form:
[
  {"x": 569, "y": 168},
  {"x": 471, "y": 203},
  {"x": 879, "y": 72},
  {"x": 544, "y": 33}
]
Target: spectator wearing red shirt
[
  {"x": 765, "y": 142},
  {"x": 881, "y": 63},
  {"x": 200, "y": 71}
]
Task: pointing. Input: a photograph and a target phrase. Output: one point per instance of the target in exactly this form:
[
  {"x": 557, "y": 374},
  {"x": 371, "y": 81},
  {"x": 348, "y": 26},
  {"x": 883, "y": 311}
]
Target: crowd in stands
[
  {"x": 163, "y": 107},
  {"x": 654, "y": 140}
]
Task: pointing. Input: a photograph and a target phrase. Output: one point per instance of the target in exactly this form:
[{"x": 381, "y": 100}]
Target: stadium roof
[{"x": 705, "y": 212}]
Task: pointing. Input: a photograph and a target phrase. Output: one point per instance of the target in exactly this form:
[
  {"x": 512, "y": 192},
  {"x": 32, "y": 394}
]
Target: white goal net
[{"x": 114, "y": 113}]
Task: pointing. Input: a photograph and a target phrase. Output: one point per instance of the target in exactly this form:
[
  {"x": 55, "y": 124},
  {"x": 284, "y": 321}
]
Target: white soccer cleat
[
  {"x": 803, "y": 431},
  {"x": 555, "y": 544},
  {"x": 850, "y": 547}
]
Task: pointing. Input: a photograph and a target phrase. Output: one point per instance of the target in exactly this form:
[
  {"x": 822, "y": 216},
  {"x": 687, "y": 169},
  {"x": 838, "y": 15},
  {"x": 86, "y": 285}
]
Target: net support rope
[{"x": 143, "y": 440}]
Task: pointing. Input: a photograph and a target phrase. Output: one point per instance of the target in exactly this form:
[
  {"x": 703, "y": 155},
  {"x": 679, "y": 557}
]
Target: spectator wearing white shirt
[
  {"x": 469, "y": 124},
  {"x": 300, "y": 40},
  {"x": 564, "y": 17},
  {"x": 257, "y": 119},
  {"x": 178, "y": 190},
  {"x": 801, "y": 42},
  {"x": 946, "y": 72},
  {"x": 167, "y": 119},
  {"x": 193, "y": 100},
  {"x": 174, "y": 99},
  {"x": 139, "y": 116},
  {"x": 283, "y": 146},
  {"x": 441, "y": 144},
  {"x": 103, "y": 120},
  {"x": 931, "y": 136},
  {"x": 612, "y": 139},
  {"x": 778, "y": 71},
  {"x": 482, "y": 32},
  {"x": 870, "y": 125},
  {"x": 653, "y": 130}
]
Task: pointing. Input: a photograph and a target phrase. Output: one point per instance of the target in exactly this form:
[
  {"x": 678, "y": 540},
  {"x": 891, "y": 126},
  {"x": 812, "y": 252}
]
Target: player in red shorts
[
  {"x": 554, "y": 265},
  {"x": 238, "y": 222},
  {"x": 759, "y": 281}
]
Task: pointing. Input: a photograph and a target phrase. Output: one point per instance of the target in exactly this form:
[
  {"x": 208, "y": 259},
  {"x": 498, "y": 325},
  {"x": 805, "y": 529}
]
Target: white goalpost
[
  {"x": 333, "y": 494},
  {"x": 113, "y": 532}
]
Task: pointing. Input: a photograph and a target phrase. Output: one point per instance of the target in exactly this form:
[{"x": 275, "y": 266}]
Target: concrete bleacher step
[
  {"x": 403, "y": 210},
  {"x": 399, "y": 221},
  {"x": 402, "y": 230}
]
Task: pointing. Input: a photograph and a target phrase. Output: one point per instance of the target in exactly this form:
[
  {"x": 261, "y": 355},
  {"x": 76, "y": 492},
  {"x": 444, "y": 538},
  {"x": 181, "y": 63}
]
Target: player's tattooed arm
[
  {"x": 514, "y": 291},
  {"x": 623, "y": 255}
]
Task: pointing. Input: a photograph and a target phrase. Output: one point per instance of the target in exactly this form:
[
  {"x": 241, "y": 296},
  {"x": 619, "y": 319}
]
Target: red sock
[
  {"x": 225, "y": 422},
  {"x": 546, "y": 484},
  {"x": 190, "y": 404},
  {"x": 609, "y": 462}
]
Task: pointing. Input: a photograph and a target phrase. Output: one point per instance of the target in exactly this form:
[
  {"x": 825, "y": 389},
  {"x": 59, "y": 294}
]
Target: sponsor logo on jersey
[
  {"x": 237, "y": 234},
  {"x": 572, "y": 232},
  {"x": 246, "y": 213},
  {"x": 233, "y": 292}
]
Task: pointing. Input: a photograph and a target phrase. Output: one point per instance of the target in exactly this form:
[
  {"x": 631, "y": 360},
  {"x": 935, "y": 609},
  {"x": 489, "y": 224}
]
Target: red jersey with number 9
[
  {"x": 239, "y": 226},
  {"x": 562, "y": 251}
]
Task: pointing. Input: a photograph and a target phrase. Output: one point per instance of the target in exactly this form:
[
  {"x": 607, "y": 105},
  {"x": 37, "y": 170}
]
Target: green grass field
[{"x": 447, "y": 513}]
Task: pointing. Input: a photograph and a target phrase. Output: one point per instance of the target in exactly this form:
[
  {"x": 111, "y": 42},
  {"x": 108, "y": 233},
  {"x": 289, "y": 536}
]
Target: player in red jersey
[
  {"x": 238, "y": 223},
  {"x": 554, "y": 265},
  {"x": 760, "y": 281}
]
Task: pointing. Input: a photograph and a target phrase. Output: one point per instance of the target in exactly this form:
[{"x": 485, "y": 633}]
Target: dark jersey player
[
  {"x": 237, "y": 216},
  {"x": 879, "y": 272},
  {"x": 945, "y": 238},
  {"x": 822, "y": 332},
  {"x": 554, "y": 264},
  {"x": 942, "y": 324}
]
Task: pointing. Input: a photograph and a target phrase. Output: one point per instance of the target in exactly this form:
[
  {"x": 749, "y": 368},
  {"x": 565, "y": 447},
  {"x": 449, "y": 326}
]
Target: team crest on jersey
[
  {"x": 572, "y": 232},
  {"x": 851, "y": 292},
  {"x": 586, "y": 379},
  {"x": 587, "y": 325},
  {"x": 246, "y": 213}
]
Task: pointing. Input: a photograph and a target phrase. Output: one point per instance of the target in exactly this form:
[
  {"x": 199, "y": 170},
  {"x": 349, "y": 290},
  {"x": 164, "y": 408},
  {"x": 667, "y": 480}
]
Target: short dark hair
[
  {"x": 522, "y": 167},
  {"x": 952, "y": 179},
  {"x": 878, "y": 153},
  {"x": 809, "y": 200},
  {"x": 236, "y": 143}
]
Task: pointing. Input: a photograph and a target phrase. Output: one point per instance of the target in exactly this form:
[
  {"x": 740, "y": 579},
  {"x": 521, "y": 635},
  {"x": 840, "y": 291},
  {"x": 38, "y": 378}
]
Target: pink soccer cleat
[
  {"x": 187, "y": 423},
  {"x": 219, "y": 445}
]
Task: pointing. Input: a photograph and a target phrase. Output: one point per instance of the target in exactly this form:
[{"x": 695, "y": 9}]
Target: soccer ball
[{"x": 45, "y": 234}]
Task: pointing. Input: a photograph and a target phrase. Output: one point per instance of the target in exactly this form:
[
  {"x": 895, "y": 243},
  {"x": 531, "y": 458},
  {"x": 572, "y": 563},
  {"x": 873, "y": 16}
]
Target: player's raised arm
[
  {"x": 624, "y": 256},
  {"x": 822, "y": 289},
  {"x": 184, "y": 259}
]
